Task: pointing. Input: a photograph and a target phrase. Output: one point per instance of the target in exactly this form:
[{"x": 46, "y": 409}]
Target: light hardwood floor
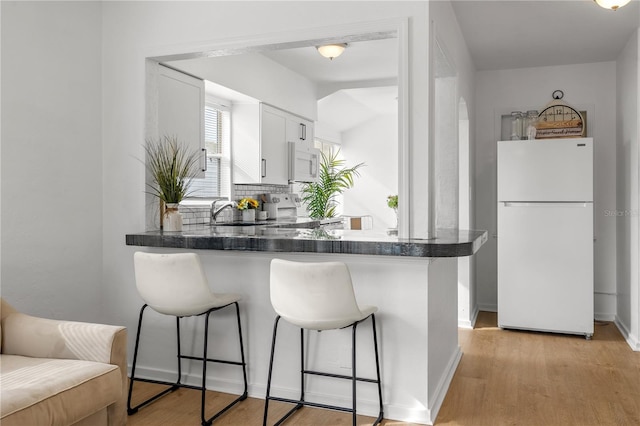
[{"x": 504, "y": 378}]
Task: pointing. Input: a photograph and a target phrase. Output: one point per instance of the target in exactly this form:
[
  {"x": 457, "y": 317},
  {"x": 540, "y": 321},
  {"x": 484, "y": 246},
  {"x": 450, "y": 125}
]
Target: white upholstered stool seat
[
  {"x": 318, "y": 296},
  {"x": 175, "y": 284}
]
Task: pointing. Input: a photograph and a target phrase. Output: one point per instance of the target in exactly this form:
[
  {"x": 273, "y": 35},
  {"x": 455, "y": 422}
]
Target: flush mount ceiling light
[
  {"x": 334, "y": 50},
  {"x": 612, "y": 4}
]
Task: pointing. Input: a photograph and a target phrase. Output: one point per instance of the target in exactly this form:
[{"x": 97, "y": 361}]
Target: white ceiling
[
  {"x": 361, "y": 61},
  {"x": 500, "y": 34},
  {"x": 355, "y": 87},
  {"x": 520, "y": 34}
]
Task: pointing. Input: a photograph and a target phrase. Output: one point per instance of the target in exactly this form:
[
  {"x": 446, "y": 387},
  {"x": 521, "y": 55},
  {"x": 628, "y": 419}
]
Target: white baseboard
[
  {"x": 633, "y": 341},
  {"x": 599, "y": 316},
  {"x": 414, "y": 414},
  {"x": 443, "y": 386},
  {"x": 488, "y": 307},
  {"x": 471, "y": 322}
]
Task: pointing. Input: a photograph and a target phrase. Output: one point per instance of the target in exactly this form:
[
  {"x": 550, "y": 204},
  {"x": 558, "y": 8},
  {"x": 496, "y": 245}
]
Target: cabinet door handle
[
  {"x": 204, "y": 169},
  {"x": 264, "y": 167},
  {"x": 303, "y": 131}
]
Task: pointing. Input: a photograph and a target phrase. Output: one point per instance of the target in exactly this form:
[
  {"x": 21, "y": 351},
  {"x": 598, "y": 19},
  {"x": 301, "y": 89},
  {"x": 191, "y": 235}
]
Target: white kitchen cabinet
[
  {"x": 260, "y": 142},
  {"x": 181, "y": 109},
  {"x": 300, "y": 131},
  {"x": 273, "y": 141}
]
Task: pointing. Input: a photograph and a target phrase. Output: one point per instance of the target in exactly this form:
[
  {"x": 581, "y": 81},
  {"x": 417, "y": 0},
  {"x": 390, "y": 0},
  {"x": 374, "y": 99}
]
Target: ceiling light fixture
[
  {"x": 612, "y": 4},
  {"x": 333, "y": 50}
]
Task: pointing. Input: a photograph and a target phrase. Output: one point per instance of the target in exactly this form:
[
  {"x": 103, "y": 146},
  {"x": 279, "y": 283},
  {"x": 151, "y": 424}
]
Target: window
[
  {"x": 217, "y": 141},
  {"x": 326, "y": 147}
]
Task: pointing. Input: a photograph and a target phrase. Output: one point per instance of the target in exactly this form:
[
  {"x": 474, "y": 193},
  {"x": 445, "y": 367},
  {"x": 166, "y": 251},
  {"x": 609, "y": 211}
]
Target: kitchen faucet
[{"x": 215, "y": 213}]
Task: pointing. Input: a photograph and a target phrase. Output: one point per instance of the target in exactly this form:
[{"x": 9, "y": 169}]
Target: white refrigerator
[{"x": 545, "y": 235}]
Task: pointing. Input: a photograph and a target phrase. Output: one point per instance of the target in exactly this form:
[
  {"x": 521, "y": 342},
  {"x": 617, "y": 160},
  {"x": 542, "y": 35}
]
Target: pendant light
[
  {"x": 331, "y": 51},
  {"x": 611, "y": 4}
]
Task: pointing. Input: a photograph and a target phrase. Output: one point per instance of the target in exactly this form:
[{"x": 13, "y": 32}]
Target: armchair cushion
[
  {"x": 61, "y": 372},
  {"x": 38, "y": 391}
]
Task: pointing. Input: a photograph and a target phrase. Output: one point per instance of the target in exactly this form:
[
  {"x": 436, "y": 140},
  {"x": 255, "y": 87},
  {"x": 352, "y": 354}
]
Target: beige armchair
[{"x": 61, "y": 372}]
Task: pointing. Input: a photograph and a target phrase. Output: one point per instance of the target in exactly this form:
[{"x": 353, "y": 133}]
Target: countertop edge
[{"x": 437, "y": 247}]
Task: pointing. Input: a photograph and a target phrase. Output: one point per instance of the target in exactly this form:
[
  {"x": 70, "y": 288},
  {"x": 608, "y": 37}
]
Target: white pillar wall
[{"x": 627, "y": 213}]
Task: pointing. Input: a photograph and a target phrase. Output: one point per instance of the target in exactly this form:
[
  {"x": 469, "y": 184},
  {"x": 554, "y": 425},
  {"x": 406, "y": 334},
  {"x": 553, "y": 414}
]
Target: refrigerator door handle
[{"x": 553, "y": 204}]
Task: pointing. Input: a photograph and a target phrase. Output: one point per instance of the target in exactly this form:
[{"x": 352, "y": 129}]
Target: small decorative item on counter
[
  {"x": 248, "y": 208},
  {"x": 392, "y": 202},
  {"x": 172, "y": 166},
  {"x": 172, "y": 218},
  {"x": 248, "y": 204}
]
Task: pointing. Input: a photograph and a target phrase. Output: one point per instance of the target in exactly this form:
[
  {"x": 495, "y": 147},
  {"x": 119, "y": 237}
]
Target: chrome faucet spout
[{"x": 215, "y": 213}]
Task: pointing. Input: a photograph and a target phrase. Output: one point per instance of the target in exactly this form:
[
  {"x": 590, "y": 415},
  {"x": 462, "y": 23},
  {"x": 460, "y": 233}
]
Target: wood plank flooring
[{"x": 504, "y": 378}]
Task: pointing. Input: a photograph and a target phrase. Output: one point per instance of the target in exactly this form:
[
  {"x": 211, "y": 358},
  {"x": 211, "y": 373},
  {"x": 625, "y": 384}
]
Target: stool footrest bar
[
  {"x": 311, "y": 404},
  {"x": 338, "y": 376}
]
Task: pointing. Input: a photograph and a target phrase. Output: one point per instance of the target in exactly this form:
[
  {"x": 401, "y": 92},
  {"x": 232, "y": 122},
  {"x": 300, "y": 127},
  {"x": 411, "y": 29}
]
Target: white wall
[
  {"x": 590, "y": 87},
  {"x": 626, "y": 213},
  {"x": 374, "y": 143},
  {"x": 447, "y": 30},
  {"x": 51, "y": 158}
]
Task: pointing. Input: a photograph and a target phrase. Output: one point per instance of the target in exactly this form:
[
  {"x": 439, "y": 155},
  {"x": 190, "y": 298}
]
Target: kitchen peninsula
[{"x": 411, "y": 281}]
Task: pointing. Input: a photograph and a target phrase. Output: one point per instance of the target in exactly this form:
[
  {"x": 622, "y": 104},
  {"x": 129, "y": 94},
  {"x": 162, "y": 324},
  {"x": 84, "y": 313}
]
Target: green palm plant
[
  {"x": 172, "y": 167},
  {"x": 321, "y": 196}
]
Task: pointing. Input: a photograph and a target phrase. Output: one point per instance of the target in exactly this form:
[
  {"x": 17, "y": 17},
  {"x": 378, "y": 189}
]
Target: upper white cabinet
[
  {"x": 181, "y": 109},
  {"x": 260, "y": 143},
  {"x": 300, "y": 131},
  {"x": 274, "y": 153}
]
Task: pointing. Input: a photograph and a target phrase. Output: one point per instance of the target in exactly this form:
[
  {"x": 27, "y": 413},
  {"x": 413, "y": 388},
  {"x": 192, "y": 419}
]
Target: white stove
[{"x": 287, "y": 205}]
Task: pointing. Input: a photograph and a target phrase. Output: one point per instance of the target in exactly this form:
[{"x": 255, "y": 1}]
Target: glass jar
[
  {"x": 517, "y": 118},
  {"x": 530, "y": 124}
]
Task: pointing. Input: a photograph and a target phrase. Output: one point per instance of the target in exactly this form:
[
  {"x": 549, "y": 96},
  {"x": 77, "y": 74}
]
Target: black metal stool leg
[
  {"x": 353, "y": 374},
  {"x": 179, "y": 350},
  {"x": 204, "y": 369},
  {"x": 352, "y": 377},
  {"x": 375, "y": 348},
  {"x": 301, "y": 364},
  {"x": 244, "y": 364},
  {"x": 205, "y": 359},
  {"x": 273, "y": 349},
  {"x": 135, "y": 359},
  {"x": 173, "y": 386}
]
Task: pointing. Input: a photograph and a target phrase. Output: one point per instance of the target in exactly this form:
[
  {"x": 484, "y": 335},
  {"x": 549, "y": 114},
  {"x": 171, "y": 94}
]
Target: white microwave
[{"x": 303, "y": 164}]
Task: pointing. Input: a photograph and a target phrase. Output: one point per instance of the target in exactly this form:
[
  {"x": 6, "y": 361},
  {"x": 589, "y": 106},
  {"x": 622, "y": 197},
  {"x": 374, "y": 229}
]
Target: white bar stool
[
  {"x": 175, "y": 284},
  {"x": 318, "y": 296}
]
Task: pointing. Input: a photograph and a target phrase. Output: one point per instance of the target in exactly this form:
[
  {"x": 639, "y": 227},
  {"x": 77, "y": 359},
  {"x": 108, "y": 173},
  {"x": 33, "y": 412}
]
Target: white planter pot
[
  {"x": 172, "y": 218},
  {"x": 248, "y": 215}
]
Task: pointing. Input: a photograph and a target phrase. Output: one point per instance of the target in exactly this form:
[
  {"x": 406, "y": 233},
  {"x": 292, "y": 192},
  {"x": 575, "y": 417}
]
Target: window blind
[{"x": 217, "y": 180}]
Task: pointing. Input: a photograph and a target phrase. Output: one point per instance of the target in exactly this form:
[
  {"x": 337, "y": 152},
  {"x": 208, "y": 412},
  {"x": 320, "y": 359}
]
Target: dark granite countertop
[{"x": 282, "y": 238}]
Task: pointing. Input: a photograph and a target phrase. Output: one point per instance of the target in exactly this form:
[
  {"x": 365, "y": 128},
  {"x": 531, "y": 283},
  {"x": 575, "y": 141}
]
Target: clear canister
[
  {"x": 517, "y": 119},
  {"x": 531, "y": 122}
]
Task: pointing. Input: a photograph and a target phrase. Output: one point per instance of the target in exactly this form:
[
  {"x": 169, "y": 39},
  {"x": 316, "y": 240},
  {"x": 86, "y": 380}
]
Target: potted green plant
[
  {"x": 172, "y": 167},
  {"x": 333, "y": 179},
  {"x": 392, "y": 202}
]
